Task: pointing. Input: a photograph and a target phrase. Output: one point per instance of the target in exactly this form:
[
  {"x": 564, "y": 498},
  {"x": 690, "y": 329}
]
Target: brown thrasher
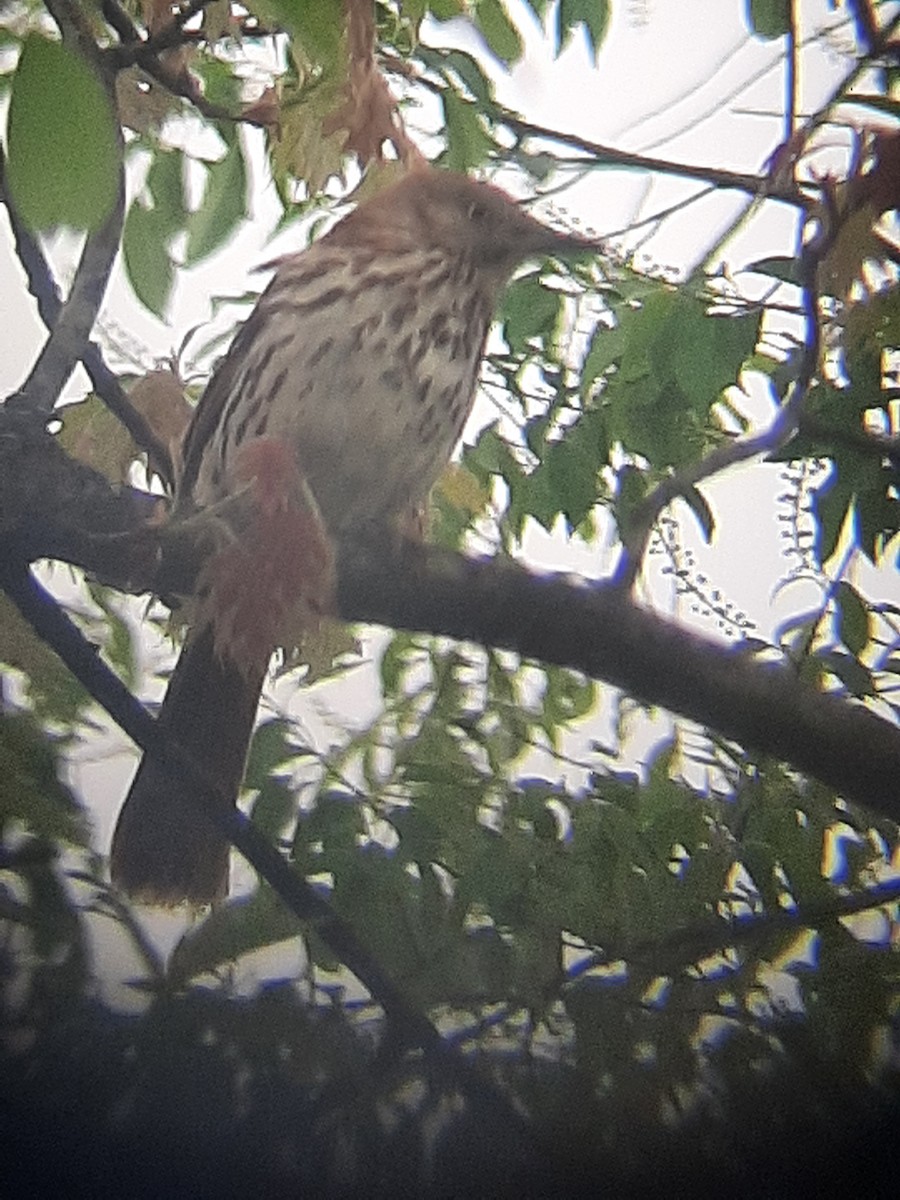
[{"x": 360, "y": 360}]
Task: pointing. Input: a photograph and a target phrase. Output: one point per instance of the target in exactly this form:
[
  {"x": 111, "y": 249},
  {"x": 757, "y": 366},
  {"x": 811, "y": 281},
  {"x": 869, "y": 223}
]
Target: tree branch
[
  {"x": 146, "y": 53},
  {"x": 823, "y": 229},
  {"x": 877, "y": 445},
  {"x": 45, "y": 291},
  {"x": 599, "y": 631},
  {"x": 69, "y": 336},
  {"x": 409, "y": 1027},
  {"x": 762, "y": 186},
  {"x": 686, "y": 946},
  {"x": 596, "y": 630}
]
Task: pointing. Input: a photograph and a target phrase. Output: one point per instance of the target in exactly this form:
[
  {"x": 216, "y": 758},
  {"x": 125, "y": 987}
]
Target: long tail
[{"x": 164, "y": 850}]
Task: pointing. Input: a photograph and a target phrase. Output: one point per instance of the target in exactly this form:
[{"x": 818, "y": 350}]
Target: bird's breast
[{"x": 368, "y": 377}]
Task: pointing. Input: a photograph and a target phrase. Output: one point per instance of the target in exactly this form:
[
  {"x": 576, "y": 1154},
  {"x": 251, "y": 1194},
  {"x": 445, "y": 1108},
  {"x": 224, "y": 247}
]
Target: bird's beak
[{"x": 538, "y": 239}]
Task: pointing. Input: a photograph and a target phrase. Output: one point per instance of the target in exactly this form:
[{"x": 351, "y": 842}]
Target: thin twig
[
  {"x": 722, "y": 100},
  {"x": 146, "y": 54},
  {"x": 767, "y": 441},
  {"x": 881, "y": 44},
  {"x": 864, "y": 20},
  {"x": 698, "y": 941},
  {"x": 791, "y": 80},
  {"x": 661, "y": 214},
  {"x": 107, "y": 903},
  {"x": 136, "y": 44},
  {"x": 878, "y": 445},
  {"x": 753, "y": 185}
]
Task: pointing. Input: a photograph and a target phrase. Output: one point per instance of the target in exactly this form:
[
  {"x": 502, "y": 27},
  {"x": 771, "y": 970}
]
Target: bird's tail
[{"x": 164, "y": 850}]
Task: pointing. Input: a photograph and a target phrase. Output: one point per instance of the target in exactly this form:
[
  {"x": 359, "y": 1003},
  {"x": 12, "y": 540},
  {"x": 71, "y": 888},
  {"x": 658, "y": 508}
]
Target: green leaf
[
  {"x": 878, "y": 512},
  {"x": 446, "y": 10},
  {"x": 52, "y": 689},
  {"x": 572, "y": 465},
  {"x": 854, "y": 618},
  {"x": 224, "y": 203},
  {"x": 538, "y": 7},
  {"x": 269, "y": 750},
  {"x": 593, "y": 14},
  {"x": 831, "y": 505},
  {"x": 529, "y": 310},
  {"x": 468, "y": 143},
  {"x": 221, "y": 85},
  {"x": 400, "y": 653},
  {"x": 856, "y": 678},
  {"x": 606, "y": 348},
  {"x": 467, "y": 69},
  {"x": 568, "y": 696},
  {"x": 64, "y": 152},
  {"x": 499, "y": 32},
  {"x": 236, "y": 928},
  {"x": 779, "y": 266},
  {"x": 769, "y": 18},
  {"x": 120, "y": 644},
  {"x": 165, "y": 183},
  {"x": 317, "y": 25},
  {"x": 707, "y": 352},
  {"x": 653, "y": 420},
  {"x": 145, "y": 247},
  {"x": 30, "y": 788},
  {"x": 273, "y": 807}
]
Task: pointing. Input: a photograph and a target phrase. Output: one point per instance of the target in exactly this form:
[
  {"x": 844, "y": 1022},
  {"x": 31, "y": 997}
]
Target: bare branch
[
  {"x": 411, "y": 1028},
  {"x": 68, "y": 339},
  {"x": 791, "y": 77},
  {"x": 763, "y": 186},
  {"x": 762, "y": 706},
  {"x": 599, "y": 631},
  {"x": 149, "y": 55},
  {"x": 822, "y": 231},
  {"x": 49, "y": 302}
]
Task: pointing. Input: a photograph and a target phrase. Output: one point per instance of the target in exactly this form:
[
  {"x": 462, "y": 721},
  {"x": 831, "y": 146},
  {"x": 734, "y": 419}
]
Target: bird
[{"x": 358, "y": 367}]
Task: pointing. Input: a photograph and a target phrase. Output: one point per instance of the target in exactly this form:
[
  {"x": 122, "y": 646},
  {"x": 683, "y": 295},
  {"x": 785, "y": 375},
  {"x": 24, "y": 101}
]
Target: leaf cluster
[{"x": 617, "y": 950}]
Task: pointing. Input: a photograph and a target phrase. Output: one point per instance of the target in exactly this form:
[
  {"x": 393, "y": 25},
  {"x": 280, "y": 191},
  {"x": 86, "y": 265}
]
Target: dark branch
[
  {"x": 876, "y": 445},
  {"x": 57, "y": 511},
  {"x": 135, "y": 45},
  {"x": 45, "y": 291},
  {"x": 149, "y": 55},
  {"x": 763, "y": 186},
  {"x": 864, "y": 20},
  {"x": 409, "y": 1027},
  {"x": 68, "y": 340},
  {"x": 599, "y": 631},
  {"x": 686, "y": 946},
  {"x": 787, "y": 420}
]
